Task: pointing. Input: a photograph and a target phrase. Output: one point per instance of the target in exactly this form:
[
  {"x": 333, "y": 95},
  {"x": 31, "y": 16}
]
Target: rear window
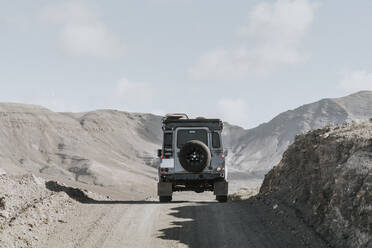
[
  {"x": 184, "y": 136},
  {"x": 168, "y": 140},
  {"x": 216, "y": 142}
]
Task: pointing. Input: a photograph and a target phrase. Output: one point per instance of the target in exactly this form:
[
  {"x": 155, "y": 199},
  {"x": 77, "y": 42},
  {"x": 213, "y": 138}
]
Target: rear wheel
[
  {"x": 165, "y": 198},
  {"x": 221, "y": 198}
]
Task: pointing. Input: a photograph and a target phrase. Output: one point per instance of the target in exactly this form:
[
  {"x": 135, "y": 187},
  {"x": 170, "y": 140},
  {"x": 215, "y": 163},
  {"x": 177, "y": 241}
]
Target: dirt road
[{"x": 191, "y": 220}]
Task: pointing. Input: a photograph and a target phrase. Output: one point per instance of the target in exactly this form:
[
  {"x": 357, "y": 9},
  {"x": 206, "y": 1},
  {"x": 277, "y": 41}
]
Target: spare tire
[{"x": 194, "y": 156}]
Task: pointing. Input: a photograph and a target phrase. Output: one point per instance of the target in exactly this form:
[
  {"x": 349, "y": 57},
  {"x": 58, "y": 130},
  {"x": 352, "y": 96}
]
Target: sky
[{"x": 243, "y": 61}]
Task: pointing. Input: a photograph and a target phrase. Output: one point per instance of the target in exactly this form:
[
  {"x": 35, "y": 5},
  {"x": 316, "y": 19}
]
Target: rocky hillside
[
  {"x": 257, "y": 150},
  {"x": 28, "y": 211},
  {"x": 326, "y": 176},
  {"x": 103, "y": 147}
]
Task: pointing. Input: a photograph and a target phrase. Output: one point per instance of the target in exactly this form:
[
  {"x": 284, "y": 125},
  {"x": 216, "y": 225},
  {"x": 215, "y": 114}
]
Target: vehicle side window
[
  {"x": 216, "y": 142},
  {"x": 168, "y": 140}
]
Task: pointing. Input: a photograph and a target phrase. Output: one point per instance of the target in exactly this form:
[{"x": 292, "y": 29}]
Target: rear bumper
[
  {"x": 198, "y": 177},
  {"x": 198, "y": 182},
  {"x": 219, "y": 187}
]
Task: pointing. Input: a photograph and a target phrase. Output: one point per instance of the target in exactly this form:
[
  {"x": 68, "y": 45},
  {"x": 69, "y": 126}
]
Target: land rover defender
[{"x": 192, "y": 157}]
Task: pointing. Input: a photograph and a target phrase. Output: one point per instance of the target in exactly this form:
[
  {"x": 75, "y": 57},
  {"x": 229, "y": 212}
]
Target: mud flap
[
  {"x": 164, "y": 189},
  {"x": 221, "y": 188}
]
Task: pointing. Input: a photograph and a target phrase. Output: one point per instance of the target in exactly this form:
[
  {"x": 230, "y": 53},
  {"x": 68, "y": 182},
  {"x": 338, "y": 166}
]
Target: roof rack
[
  {"x": 172, "y": 121},
  {"x": 176, "y": 116}
]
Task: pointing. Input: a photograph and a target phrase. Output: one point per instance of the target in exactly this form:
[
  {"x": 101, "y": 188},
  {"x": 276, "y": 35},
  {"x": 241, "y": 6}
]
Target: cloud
[
  {"x": 92, "y": 40},
  {"x": 356, "y": 81},
  {"x": 234, "y": 111},
  {"x": 133, "y": 96},
  {"x": 271, "y": 39},
  {"x": 81, "y": 31}
]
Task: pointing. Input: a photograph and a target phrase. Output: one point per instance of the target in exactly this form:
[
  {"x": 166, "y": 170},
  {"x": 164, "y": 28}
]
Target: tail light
[{"x": 223, "y": 156}]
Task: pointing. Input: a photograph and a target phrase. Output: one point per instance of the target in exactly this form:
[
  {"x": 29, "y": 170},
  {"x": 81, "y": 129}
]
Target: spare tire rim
[{"x": 195, "y": 157}]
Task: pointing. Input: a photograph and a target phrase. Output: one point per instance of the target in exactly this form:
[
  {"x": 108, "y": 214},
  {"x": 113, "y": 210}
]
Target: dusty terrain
[
  {"x": 326, "y": 176},
  {"x": 104, "y": 148},
  {"x": 54, "y": 214},
  {"x": 93, "y": 182},
  {"x": 108, "y": 148},
  {"x": 28, "y": 211}
]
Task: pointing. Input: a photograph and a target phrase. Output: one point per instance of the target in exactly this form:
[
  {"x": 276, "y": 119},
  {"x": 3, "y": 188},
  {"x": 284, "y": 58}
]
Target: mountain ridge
[
  {"x": 108, "y": 147},
  {"x": 260, "y": 148}
]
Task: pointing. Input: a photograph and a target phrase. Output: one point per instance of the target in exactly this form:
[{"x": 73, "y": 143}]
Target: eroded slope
[{"x": 326, "y": 176}]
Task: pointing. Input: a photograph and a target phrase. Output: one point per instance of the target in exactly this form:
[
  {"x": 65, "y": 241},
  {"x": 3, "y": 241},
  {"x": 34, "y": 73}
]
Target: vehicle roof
[{"x": 212, "y": 124}]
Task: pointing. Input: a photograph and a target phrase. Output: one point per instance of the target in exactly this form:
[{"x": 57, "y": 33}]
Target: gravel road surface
[{"x": 191, "y": 220}]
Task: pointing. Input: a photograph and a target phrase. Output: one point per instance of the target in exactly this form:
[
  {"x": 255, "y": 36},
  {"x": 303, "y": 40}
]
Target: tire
[
  {"x": 165, "y": 198},
  {"x": 194, "y": 156},
  {"x": 221, "y": 198}
]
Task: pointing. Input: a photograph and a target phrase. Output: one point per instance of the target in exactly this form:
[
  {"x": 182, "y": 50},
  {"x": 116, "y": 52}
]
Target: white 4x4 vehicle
[{"x": 192, "y": 157}]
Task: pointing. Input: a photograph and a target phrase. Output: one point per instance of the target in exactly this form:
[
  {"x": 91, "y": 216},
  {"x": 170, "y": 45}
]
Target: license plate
[{"x": 167, "y": 163}]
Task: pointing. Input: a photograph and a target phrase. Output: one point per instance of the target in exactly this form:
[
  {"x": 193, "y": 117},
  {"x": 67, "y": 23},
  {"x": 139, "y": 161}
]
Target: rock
[
  {"x": 39, "y": 181},
  {"x": 4, "y": 214},
  {"x": 2, "y": 203},
  {"x": 2, "y": 172},
  {"x": 330, "y": 186}
]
